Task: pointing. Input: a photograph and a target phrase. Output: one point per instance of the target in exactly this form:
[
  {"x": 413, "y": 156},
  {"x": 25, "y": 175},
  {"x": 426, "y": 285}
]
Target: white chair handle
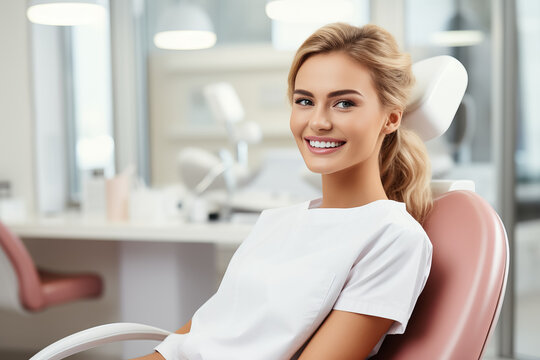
[{"x": 99, "y": 335}]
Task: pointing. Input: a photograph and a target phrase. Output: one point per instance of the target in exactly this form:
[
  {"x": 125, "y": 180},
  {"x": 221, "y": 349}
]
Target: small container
[
  {"x": 198, "y": 211},
  {"x": 93, "y": 197},
  {"x": 11, "y": 209},
  {"x": 117, "y": 192}
]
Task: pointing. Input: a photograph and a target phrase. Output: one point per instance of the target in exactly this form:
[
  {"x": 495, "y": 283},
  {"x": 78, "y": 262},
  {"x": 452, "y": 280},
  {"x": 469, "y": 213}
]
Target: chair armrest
[{"x": 99, "y": 335}]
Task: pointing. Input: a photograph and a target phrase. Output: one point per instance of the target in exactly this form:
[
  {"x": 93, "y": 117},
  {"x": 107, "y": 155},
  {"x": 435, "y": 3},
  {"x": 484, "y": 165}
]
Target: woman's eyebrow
[
  {"x": 343, "y": 92},
  {"x": 302, "y": 92},
  {"x": 330, "y": 94}
]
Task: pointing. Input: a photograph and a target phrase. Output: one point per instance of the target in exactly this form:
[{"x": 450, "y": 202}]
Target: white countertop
[{"x": 77, "y": 228}]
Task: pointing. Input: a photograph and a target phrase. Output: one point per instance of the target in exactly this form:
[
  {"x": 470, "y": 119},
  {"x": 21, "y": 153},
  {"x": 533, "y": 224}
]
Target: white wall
[{"x": 16, "y": 134}]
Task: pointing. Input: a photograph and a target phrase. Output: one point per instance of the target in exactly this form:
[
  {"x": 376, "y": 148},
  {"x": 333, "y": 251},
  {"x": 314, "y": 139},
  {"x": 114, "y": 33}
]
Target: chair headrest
[{"x": 440, "y": 84}]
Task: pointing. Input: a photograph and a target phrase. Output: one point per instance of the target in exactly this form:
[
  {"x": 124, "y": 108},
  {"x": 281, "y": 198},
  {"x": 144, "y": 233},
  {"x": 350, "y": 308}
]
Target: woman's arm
[
  {"x": 346, "y": 335},
  {"x": 157, "y": 356}
]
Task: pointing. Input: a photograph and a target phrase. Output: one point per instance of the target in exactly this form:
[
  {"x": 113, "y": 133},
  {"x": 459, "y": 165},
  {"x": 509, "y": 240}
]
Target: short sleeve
[{"x": 387, "y": 279}]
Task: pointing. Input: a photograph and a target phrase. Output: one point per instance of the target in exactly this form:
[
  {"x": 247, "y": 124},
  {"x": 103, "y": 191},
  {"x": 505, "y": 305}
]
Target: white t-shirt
[{"x": 297, "y": 264}]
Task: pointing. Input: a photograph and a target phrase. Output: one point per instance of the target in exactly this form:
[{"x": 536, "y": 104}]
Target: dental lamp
[
  {"x": 227, "y": 109},
  {"x": 203, "y": 171}
]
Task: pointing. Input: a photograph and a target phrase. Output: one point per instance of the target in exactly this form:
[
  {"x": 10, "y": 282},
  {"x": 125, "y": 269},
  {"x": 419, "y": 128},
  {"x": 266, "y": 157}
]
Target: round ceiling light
[
  {"x": 455, "y": 38},
  {"x": 185, "y": 26},
  {"x": 184, "y": 39},
  {"x": 66, "y": 13}
]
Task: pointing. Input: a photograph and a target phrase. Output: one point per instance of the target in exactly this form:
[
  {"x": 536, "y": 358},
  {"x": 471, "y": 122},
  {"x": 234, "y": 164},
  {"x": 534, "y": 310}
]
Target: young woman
[{"x": 329, "y": 278}]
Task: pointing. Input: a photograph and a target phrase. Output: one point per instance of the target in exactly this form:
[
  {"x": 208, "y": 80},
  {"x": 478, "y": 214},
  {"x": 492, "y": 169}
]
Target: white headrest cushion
[{"x": 440, "y": 84}]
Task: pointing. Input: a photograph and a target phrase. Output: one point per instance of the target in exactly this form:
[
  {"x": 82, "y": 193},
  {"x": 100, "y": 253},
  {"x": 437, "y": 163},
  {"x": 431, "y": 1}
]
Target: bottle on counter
[
  {"x": 12, "y": 209},
  {"x": 93, "y": 195}
]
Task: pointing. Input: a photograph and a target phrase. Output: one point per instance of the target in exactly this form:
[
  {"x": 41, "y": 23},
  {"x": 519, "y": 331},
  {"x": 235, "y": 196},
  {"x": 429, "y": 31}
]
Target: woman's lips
[{"x": 323, "y": 145}]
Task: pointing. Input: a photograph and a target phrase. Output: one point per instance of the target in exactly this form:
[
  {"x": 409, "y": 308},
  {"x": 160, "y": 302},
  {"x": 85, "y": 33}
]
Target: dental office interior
[{"x": 142, "y": 163}]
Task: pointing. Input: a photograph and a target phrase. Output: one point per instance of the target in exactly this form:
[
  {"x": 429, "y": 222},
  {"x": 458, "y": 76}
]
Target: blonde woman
[{"x": 330, "y": 278}]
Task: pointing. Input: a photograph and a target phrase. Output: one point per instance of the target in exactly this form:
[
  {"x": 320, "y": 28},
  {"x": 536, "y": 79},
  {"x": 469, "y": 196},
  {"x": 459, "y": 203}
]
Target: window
[
  {"x": 72, "y": 109},
  {"x": 91, "y": 98}
]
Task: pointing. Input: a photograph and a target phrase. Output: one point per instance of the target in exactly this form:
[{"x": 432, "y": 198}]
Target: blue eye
[
  {"x": 303, "y": 102},
  {"x": 344, "y": 104}
]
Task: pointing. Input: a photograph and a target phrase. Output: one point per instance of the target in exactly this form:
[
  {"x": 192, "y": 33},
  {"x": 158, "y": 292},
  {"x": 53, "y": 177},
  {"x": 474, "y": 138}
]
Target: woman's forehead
[{"x": 333, "y": 71}]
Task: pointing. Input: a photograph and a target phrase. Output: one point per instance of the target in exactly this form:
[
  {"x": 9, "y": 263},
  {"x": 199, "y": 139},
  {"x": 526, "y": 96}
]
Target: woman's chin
[{"x": 320, "y": 169}]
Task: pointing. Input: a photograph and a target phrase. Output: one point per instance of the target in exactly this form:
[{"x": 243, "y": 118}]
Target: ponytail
[{"x": 406, "y": 172}]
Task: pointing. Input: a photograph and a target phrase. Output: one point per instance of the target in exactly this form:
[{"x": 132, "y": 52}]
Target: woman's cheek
[{"x": 296, "y": 125}]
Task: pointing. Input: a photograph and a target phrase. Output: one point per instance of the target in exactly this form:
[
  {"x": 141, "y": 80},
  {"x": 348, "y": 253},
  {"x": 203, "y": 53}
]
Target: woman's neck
[{"x": 352, "y": 187}]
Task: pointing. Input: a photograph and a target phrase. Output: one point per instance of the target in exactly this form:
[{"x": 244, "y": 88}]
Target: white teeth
[{"x": 325, "y": 144}]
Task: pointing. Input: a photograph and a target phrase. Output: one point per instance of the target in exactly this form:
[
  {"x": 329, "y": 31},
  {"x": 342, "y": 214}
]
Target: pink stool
[{"x": 27, "y": 288}]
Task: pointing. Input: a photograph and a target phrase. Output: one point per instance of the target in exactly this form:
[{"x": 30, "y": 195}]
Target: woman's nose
[{"x": 320, "y": 121}]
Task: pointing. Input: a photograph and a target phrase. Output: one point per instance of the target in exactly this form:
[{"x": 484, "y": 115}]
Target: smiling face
[{"x": 337, "y": 119}]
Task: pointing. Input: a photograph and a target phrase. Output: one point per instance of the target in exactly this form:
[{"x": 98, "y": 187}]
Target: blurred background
[{"x": 82, "y": 105}]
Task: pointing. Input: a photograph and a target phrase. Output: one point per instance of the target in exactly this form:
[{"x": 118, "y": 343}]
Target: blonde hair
[{"x": 403, "y": 161}]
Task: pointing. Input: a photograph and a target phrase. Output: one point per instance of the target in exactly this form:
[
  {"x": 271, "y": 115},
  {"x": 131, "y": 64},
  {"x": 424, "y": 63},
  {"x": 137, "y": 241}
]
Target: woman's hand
[
  {"x": 346, "y": 335},
  {"x": 157, "y": 356},
  {"x": 154, "y": 356}
]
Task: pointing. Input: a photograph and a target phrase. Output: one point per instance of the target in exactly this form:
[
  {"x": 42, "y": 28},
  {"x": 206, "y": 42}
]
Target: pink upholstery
[
  {"x": 459, "y": 306},
  {"x": 63, "y": 288},
  {"x": 38, "y": 289},
  {"x": 29, "y": 282}
]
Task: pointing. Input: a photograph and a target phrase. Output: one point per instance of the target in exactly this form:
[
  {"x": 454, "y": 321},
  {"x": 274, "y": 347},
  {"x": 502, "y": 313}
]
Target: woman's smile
[{"x": 323, "y": 145}]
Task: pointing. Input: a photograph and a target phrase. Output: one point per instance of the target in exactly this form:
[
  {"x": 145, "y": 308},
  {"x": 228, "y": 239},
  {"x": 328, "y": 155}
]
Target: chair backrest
[
  {"x": 460, "y": 304},
  {"x": 21, "y": 288}
]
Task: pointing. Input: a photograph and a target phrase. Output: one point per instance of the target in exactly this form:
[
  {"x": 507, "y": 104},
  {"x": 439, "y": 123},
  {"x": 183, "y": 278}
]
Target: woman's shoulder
[{"x": 403, "y": 228}]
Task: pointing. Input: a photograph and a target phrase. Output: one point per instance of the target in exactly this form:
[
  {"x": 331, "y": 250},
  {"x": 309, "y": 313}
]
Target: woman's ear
[{"x": 392, "y": 122}]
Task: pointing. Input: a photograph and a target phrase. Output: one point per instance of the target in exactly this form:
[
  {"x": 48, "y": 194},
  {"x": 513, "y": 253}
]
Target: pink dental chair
[
  {"x": 28, "y": 289},
  {"x": 459, "y": 307},
  {"x": 460, "y": 304}
]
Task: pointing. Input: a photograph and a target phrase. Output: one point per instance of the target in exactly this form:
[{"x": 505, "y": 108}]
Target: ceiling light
[
  {"x": 462, "y": 30},
  {"x": 454, "y": 38},
  {"x": 185, "y": 26},
  {"x": 66, "y": 13}
]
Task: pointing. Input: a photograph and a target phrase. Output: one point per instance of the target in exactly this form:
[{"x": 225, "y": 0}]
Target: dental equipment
[{"x": 228, "y": 110}]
